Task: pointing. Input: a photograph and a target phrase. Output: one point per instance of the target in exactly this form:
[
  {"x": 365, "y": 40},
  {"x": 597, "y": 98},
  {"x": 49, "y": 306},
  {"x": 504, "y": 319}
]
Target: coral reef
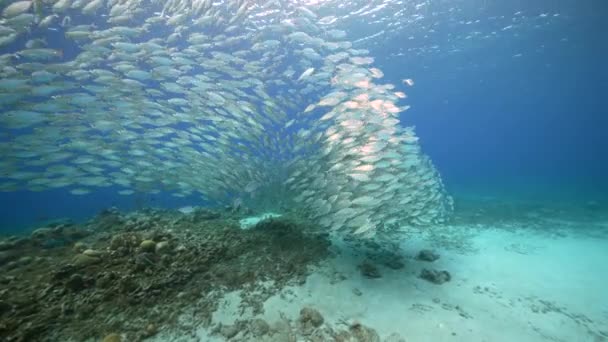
[
  {"x": 427, "y": 255},
  {"x": 435, "y": 277},
  {"x": 125, "y": 276}
]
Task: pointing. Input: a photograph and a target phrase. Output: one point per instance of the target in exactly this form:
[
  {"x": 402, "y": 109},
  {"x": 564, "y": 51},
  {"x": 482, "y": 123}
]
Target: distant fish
[
  {"x": 328, "y": 20},
  {"x": 16, "y": 8},
  {"x": 80, "y": 191},
  {"x": 251, "y": 186},
  {"x": 306, "y": 74},
  {"x": 40, "y": 54}
]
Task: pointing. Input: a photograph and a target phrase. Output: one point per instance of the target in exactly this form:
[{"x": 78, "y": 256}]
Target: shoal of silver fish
[{"x": 263, "y": 103}]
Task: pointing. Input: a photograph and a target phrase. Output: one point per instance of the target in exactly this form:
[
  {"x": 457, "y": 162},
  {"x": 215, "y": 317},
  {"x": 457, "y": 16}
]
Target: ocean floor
[
  {"x": 495, "y": 273},
  {"x": 515, "y": 281}
]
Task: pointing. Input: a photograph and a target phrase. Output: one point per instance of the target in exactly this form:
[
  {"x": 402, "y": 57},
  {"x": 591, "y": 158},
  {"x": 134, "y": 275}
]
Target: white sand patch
[
  {"x": 187, "y": 210},
  {"x": 249, "y": 222},
  {"x": 515, "y": 288}
]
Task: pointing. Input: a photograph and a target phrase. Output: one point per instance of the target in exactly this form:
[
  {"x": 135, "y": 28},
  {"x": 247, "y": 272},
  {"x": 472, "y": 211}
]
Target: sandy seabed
[
  {"x": 499, "y": 271},
  {"x": 508, "y": 283}
]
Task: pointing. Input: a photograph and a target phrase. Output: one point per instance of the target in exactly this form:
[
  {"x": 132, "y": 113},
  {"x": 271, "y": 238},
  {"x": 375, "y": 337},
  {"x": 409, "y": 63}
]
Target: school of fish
[{"x": 261, "y": 103}]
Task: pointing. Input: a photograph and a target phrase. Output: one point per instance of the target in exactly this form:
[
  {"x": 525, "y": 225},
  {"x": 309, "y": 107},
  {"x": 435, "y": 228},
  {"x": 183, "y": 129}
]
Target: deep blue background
[{"x": 529, "y": 127}]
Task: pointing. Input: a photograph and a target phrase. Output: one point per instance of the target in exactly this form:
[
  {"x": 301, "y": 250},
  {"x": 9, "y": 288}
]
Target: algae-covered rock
[
  {"x": 5, "y": 307},
  {"x": 127, "y": 284},
  {"x": 11, "y": 265},
  {"x": 105, "y": 280},
  {"x": 112, "y": 338},
  {"x": 436, "y": 277},
  {"x": 282, "y": 331},
  {"x": 82, "y": 260},
  {"x": 311, "y": 315},
  {"x": 127, "y": 241},
  {"x": 12, "y": 243},
  {"x": 369, "y": 270},
  {"x": 362, "y": 333},
  {"x": 25, "y": 260},
  {"x": 79, "y": 247},
  {"x": 309, "y": 320},
  {"x": 7, "y": 256},
  {"x": 42, "y": 233},
  {"x": 427, "y": 255},
  {"x": 258, "y": 327},
  {"x": 147, "y": 246},
  {"x": 75, "y": 282},
  {"x": 394, "y": 263},
  {"x": 5, "y": 245},
  {"x": 228, "y": 331},
  {"x": 162, "y": 247},
  {"x": 150, "y": 330},
  {"x": 116, "y": 242}
]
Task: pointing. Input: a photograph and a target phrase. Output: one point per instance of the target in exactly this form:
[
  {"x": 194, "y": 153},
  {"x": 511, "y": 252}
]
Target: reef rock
[
  {"x": 369, "y": 270},
  {"x": 228, "y": 331},
  {"x": 5, "y": 307},
  {"x": 82, "y": 260},
  {"x": 259, "y": 327},
  {"x": 162, "y": 247},
  {"x": 309, "y": 320},
  {"x": 151, "y": 330},
  {"x": 282, "y": 331},
  {"x": 427, "y": 255},
  {"x": 436, "y": 277},
  {"x": 42, "y": 233},
  {"x": 361, "y": 333},
  {"x": 147, "y": 246},
  {"x": 75, "y": 283},
  {"x": 80, "y": 247},
  {"x": 126, "y": 240},
  {"x": 5, "y": 245},
  {"x": 7, "y": 256}
]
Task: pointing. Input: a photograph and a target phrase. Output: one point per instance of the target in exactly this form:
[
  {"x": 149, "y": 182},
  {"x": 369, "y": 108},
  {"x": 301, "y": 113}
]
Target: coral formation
[
  {"x": 132, "y": 274},
  {"x": 435, "y": 277}
]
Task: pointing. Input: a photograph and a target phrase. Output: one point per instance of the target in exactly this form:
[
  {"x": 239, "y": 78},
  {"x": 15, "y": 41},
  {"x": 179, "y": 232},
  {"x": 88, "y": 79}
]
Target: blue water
[
  {"x": 496, "y": 124},
  {"x": 508, "y": 100},
  {"x": 530, "y": 126}
]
